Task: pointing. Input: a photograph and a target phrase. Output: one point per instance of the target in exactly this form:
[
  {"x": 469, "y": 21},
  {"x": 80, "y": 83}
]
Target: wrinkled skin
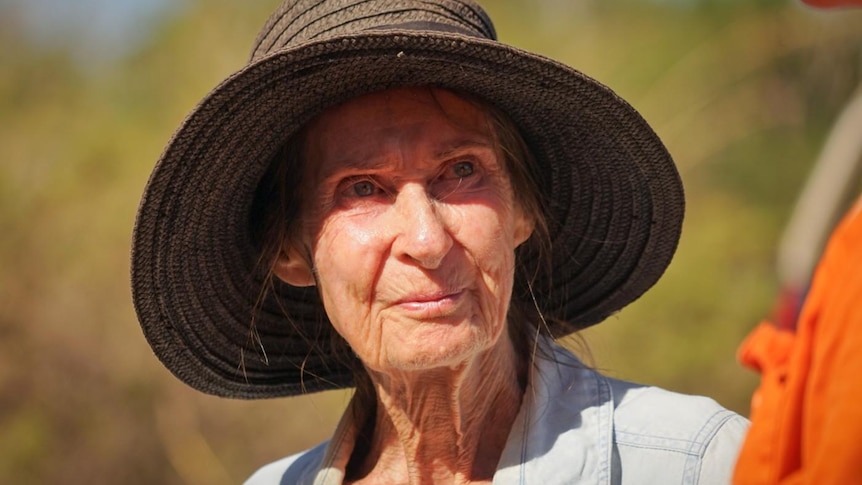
[{"x": 409, "y": 229}]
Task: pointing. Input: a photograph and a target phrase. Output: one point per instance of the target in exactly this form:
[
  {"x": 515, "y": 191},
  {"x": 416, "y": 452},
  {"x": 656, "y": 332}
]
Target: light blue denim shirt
[{"x": 576, "y": 426}]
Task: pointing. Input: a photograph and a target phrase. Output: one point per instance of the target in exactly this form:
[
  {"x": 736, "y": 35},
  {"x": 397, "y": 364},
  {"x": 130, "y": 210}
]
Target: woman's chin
[{"x": 438, "y": 346}]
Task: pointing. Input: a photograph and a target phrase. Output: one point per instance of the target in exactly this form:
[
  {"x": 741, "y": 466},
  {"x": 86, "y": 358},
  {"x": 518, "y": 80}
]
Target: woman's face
[{"x": 411, "y": 224}]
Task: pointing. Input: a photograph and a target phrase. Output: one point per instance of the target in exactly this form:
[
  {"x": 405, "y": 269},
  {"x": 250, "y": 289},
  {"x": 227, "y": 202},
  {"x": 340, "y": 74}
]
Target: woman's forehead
[
  {"x": 439, "y": 119},
  {"x": 397, "y": 105}
]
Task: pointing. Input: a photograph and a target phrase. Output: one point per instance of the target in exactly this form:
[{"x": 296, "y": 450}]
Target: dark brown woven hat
[{"x": 613, "y": 197}]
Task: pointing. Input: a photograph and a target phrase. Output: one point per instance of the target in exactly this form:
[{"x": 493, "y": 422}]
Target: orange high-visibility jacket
[{"x": 806, "y": 416}]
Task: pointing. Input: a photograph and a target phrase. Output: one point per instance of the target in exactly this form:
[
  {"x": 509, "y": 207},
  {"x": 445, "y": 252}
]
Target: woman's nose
[{"x": 423, "y": 236}]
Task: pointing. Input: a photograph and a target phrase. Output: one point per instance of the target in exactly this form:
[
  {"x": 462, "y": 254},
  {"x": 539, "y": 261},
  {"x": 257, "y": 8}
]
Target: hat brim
[{"x": 613, "y": 196}]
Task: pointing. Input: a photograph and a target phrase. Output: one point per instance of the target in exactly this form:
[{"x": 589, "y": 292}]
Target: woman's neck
[{"x": 445, "y": 425}]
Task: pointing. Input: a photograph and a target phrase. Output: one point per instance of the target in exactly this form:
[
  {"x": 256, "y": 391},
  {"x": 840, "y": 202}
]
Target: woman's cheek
[
  {"x": 347, "y": 264},
  {"x": 352, "y": 318}
]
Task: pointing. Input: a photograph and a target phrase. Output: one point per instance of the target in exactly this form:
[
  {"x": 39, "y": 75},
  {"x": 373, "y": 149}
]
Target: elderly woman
[{"x": 386, "y": 197}]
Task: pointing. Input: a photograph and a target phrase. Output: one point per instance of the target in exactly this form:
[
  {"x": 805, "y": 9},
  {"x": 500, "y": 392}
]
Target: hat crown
[{"x": 299, "y": 21}]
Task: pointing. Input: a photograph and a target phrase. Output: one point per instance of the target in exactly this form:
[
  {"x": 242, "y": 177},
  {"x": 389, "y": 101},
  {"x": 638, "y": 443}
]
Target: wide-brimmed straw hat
[{"x": 612, "y": 195}]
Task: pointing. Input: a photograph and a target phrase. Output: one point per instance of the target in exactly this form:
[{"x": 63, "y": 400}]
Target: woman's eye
[
  {"x": 463, "y": 169},
  {"x": 363, "y": 188}
]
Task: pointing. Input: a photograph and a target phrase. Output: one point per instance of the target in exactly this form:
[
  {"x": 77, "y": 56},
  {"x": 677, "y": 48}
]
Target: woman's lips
[{"x": 431, "y": 305}]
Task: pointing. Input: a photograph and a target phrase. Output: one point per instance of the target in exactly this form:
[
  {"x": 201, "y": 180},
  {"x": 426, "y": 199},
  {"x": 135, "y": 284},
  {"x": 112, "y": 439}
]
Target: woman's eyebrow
[
  {"x": 356, "y": 162},
  {"x": 459, "y": 146},
  {"x": 348, "y": 166}
]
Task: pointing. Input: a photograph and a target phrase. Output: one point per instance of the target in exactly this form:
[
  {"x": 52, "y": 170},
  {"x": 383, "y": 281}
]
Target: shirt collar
[{"x": 564, "y": 431}]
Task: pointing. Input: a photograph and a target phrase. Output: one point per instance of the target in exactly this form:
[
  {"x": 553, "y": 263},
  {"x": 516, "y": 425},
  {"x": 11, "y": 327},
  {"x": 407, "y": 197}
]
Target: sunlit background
[{"x": 743, "y": 93}]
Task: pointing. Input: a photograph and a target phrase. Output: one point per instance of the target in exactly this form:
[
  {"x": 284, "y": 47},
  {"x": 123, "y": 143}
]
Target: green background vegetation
[{"x": 742, "y": 92}]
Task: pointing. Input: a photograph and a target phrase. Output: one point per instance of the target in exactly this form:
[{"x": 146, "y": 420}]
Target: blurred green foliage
[{"x": 743, "y": 93}]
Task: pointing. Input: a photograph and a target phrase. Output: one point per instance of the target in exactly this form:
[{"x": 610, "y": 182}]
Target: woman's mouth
[{"x": 431, "y": 305}]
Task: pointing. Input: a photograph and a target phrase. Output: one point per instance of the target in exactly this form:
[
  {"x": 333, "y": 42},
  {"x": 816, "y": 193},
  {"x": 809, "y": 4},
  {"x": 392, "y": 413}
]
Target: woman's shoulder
[
  {"x": 703, "y": 436},
  {"x": 649, "y": 410},
  {"x": 655, "y": 435},
  {"x": 678, "y": 421},
  {"x": 295, "y": 469}
]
